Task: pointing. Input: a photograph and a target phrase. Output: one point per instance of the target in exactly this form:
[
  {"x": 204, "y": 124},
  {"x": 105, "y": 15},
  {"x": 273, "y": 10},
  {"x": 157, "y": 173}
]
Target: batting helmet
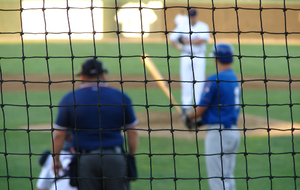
[{"x": 223, "y": 52}]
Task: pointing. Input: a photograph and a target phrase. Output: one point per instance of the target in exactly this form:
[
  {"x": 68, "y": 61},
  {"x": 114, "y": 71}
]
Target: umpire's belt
[{"x": 115, "y": 149}]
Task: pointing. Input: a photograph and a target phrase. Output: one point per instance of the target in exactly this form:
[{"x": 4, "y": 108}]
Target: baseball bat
[{"x": 159, "y": 79}]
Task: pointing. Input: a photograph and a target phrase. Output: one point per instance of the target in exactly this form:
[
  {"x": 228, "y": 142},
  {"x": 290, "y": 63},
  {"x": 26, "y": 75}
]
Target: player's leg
[
  {"x": 229, "y": 163},
  {"x": 213, "y": 159},
  {"x": 231, "y": 142},
  {"x": 221, "y": 166},
  {"x": 199, "y": 72},
  {"x": 186, "y": 76}
]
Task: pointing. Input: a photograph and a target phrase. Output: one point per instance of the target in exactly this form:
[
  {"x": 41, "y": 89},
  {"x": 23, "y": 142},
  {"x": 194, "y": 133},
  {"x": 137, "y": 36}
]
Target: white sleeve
[
  {"x": 132, "y": 124},
  {"x": 55, "y": 126},
  {"x": 175, "y": 35},
  {"x": 205, "y": 32}
]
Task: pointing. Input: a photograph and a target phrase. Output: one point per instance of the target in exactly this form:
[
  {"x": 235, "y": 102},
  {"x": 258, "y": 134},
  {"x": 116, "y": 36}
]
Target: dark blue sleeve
[
  {"x": 62, "y": 118},
  {"x": 130, "y": 119}
]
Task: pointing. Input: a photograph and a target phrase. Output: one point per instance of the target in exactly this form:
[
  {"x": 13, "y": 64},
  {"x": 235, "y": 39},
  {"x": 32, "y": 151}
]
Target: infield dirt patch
[
  {"x": 161, "y": 124},
  {"x": 14, "y": 83}
]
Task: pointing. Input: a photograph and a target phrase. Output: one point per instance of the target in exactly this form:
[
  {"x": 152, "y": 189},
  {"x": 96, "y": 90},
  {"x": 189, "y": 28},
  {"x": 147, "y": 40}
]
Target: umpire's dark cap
[
  {"x": 92, "y": 67},
  {"x": 192, "y": 12}
]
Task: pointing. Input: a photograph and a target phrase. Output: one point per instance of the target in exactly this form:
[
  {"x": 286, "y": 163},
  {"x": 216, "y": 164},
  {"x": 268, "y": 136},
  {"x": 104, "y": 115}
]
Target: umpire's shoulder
[
  {"x": 119, "y": 92},
  {"x": 66, "y": 99}
]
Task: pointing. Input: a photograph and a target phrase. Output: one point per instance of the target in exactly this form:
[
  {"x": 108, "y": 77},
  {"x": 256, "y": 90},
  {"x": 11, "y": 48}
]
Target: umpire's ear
[
  {"x": 85, "y": 78},
  {"x": 103, "y": 77}
]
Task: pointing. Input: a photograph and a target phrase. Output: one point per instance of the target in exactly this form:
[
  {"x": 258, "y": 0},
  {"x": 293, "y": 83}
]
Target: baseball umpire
[
  {"x": 191, "y": 38},
  {"x": 219, "y": 109},
  {"x": 97, "y": 115}
]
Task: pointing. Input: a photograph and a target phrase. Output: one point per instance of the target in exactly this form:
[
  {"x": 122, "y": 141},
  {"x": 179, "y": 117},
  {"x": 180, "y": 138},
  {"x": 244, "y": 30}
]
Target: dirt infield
[
  {"x": 14, "y": 83},
  {"x": 159, "y": 123}
]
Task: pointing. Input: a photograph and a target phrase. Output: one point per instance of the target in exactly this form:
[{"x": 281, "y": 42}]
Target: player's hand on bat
[
  {"x": 199, "y": 123},
  {"x": 182, "y": 117},
  {"x": 186, "y": 121},
  {"x": 191, "y": 124}
]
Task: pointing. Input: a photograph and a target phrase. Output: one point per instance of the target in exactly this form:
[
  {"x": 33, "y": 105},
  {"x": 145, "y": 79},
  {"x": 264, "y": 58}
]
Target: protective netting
[{"x": 43, "y": 44}]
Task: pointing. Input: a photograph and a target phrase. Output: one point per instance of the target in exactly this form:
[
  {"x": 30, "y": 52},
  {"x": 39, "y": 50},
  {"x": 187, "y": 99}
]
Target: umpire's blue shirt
[
  {"x": 96, "y": 114},
  {"x": 221, "y": 99}
]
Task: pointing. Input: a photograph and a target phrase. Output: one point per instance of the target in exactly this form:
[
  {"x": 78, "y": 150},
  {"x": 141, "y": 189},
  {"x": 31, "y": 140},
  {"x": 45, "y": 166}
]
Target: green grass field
[
  {"x": 252, "y": 62},
  {"x": 257, "y": 166},
  {"x": 270, "y": 163}
]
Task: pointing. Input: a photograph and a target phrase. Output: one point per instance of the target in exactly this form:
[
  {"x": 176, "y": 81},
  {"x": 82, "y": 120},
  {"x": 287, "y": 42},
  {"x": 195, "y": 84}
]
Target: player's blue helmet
[{"x": 223, "y": 52}]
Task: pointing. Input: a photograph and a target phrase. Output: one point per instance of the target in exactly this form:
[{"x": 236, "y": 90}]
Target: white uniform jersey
[{"x": 200, "y": 31}]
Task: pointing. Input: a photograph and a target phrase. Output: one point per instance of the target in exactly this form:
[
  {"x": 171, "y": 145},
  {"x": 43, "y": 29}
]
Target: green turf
[
  {"x": 163, "y": 166},
  {"x": 251, "y": 62}
]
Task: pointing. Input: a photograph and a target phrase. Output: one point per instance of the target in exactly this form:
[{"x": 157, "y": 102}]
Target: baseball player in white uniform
[{"x": 192, "y": 62}]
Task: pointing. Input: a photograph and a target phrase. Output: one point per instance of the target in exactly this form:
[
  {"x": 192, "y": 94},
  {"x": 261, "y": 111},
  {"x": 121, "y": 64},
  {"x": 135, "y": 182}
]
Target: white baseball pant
[
  {"x": 191, "y": 93},
  {"x": 221, "y": 166}
]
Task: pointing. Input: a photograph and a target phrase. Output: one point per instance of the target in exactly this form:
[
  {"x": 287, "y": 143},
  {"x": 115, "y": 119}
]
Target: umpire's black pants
[{"x": 104, "y": 170}]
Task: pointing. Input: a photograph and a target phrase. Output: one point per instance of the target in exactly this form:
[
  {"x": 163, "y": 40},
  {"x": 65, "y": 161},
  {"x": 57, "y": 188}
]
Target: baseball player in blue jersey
[
  {"x": 219, "y": 110},
  {"x": 97, "y": 115},
  {"x": 192, "y": 61}
]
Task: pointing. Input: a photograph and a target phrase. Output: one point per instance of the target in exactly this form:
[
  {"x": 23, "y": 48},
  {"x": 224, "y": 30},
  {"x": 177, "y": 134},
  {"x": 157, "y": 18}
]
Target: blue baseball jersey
[
  {"x": 96, "y": 114},
  {"x": 221, "y": 99}
]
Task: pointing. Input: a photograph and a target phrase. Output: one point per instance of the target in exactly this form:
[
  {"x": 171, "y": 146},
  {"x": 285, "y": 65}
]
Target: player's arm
[
  {"x": 194, "y": 41},
  {"x": 131, "y": 124},
  {"x": 175, "y": 39},
  {"x": 133, "y": 140},
  {"x": 198, "y": 41},
  {"x": 57, "y": 145},
  {"x": 177, "y": 45},
  {"x": 199, "y": 111}
]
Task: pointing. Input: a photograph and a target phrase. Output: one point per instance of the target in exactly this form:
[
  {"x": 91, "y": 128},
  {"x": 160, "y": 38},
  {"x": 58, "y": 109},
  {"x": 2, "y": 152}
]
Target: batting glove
[
  {"x": 199, "y": 123},
  {"x": 188, "y": 123},
  {"x": 191, "y": 124}
]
